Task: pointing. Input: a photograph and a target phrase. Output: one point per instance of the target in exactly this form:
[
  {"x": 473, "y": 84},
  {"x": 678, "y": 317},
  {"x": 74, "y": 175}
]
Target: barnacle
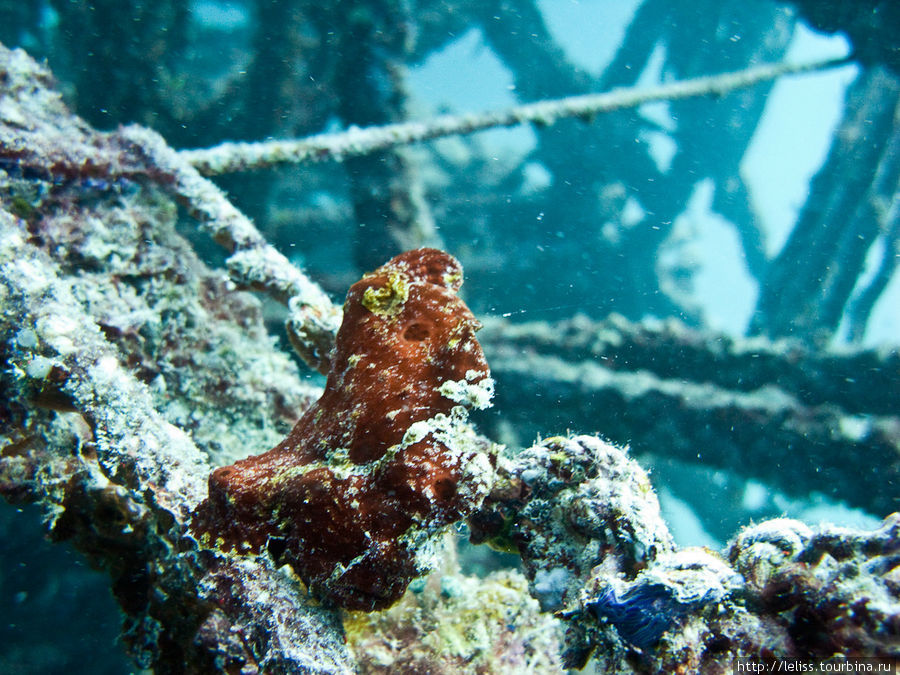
[{"x": 355, "y": 494}]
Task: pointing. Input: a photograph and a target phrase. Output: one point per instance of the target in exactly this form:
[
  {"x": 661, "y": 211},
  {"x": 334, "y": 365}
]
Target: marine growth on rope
[{"x": 353, "y": 497}]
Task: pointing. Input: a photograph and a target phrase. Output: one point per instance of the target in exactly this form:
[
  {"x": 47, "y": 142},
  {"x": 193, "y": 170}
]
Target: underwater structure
[{"x": 252, "y": 518}]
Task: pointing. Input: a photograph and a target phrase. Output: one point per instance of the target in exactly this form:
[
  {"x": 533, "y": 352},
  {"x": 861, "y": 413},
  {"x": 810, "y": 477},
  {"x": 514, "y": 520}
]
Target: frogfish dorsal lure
[{"x": 355, "y": 495}]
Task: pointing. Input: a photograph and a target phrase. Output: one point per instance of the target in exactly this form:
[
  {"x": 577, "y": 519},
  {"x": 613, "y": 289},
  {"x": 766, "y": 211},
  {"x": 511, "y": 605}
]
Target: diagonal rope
[{"x": 231, "y": 157}]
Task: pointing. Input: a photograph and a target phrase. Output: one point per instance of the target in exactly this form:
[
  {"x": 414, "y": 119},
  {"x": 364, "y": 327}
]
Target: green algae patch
[
  {"x": 458, "y": 624},
  {"x": 387, "y": 301}
]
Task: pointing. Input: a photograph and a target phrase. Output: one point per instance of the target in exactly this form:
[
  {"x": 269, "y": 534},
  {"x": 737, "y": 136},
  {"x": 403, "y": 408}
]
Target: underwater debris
[
  {"x": 229, "y": 156},
  {"x": 586, "y": 523},
  {"x": 567, "y": 505},
  {"x": 836, "y": 590},
  {"x": 738, "y": 401},
  {"x": 253, "y": 262},
  {"x": 126, "y": 363},
  {"x": 457, "y": 624},
  {"x": 41, "y": 139},
  {"x": 119, "y": 479},
  {"x": 384, "y": 460}
]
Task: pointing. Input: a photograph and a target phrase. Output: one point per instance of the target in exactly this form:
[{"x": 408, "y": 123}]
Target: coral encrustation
[{"x": 355, "y": 494}]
